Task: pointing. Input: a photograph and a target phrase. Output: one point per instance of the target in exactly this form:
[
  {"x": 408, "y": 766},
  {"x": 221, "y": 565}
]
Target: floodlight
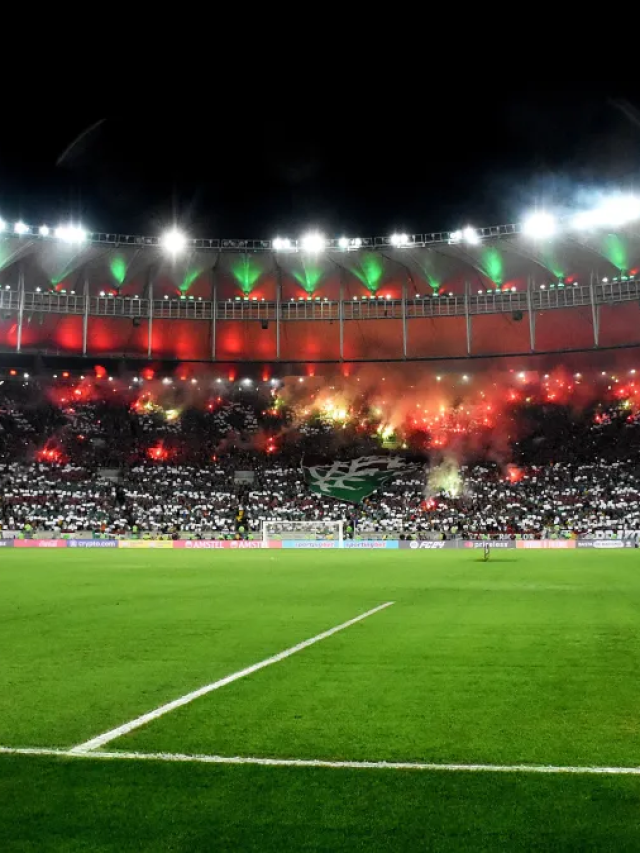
[
  {"x": 71, "y": 234},
  {"x": 539, "y": 226},
  {"x": 20, "y": 228},
  {"x": 174, "y": 242},
  {"x": 398, "y": 239},
  {"x": 313, "y": 242},
  {"x": 44, "y": 231},
  {"x": 471, "y": 236},
  {"x": 281, "y": 244}
]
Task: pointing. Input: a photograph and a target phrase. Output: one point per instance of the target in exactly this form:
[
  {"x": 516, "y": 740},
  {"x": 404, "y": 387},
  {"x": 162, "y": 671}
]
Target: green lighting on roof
[
  {"x": 246, "y": 272},
  {"x": 369, "y": 271},
  {"x": 118, "y": 267},
  {"x": 309, "y": 277},
  {"x": 493, "y": 265},
  {"x": 551, "y": 262},
  {"x": 614, "y": 250},
  {"x": 188, "y": 280}
]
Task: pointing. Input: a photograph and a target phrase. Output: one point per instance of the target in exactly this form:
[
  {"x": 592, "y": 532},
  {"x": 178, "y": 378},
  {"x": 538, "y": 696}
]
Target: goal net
[{"x": 324, "y": 531}]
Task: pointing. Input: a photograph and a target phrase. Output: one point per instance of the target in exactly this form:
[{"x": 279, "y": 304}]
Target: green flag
[{"x": 355, "y": 480}]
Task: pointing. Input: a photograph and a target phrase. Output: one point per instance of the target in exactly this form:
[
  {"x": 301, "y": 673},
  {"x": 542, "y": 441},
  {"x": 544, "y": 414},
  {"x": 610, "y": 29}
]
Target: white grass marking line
[
  {"x": 548, "y": 769},
  {"x": 113, "y": 734}
]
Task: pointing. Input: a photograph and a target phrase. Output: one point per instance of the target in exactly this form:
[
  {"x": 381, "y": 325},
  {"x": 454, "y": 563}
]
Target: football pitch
[{"x": 327, "y": 700}]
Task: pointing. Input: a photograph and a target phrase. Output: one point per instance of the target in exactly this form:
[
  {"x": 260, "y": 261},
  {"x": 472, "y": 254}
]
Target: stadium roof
[{"x": 504, "y": 256}]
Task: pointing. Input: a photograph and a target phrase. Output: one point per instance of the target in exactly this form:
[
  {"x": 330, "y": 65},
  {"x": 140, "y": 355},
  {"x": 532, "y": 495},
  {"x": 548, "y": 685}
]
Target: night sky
[{"x": 355, "y": 166}]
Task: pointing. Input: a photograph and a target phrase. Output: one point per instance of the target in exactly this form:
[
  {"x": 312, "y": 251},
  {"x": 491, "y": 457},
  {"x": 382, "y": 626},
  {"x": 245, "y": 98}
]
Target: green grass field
[{"x": 530, "y": 659}]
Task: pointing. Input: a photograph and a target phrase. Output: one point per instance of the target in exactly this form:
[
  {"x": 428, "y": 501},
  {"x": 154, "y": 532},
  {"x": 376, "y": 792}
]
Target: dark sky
[{"x": 354, "y": 166}]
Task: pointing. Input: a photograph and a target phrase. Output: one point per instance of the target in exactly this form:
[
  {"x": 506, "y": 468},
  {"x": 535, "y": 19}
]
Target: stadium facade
[{"x": 422, "y": 297}]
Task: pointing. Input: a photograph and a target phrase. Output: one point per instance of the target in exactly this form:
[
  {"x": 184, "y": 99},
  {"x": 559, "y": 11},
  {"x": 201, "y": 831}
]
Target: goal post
[{"x": 321, "y": 531}]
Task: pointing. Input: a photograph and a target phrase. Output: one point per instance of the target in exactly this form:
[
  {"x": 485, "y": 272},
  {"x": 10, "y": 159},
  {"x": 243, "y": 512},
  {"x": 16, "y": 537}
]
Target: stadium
[{"x": 181, "y": 418}]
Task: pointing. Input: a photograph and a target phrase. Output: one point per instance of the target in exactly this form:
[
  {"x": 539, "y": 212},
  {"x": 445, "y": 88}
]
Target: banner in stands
[
  {"x": 207, "y": 544},
  {"x": 355, "y": 480},
  {"x": 92, "y": 543},
  {"x": 39, "y": 543},
  {"x": 145, "y": 543},
  {"x": 606, "y": 543},
  {"x": 545, "y": 543}
]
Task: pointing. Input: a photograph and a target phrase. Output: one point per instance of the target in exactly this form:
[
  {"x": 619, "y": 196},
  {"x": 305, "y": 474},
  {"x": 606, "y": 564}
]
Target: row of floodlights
[
  {"x": 615, "y": 211},
  {"x": 66, "y": 233}
]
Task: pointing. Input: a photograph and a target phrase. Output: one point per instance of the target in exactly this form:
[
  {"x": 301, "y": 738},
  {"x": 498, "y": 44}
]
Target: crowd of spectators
[{"x": 100, "y": 479}]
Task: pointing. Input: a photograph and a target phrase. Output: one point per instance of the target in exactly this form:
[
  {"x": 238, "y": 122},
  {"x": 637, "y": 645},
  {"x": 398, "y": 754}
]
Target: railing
[{"x": 495, "y": 302}]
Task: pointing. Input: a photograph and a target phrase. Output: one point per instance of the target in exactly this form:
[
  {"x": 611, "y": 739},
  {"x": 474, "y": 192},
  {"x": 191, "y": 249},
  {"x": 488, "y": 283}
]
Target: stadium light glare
[
  {"x": 281, "y": 244},
  {"x": 174, "y": 242},
  {"x": 343, "y": 242},
  {"x": 471, "y": 236},
  {"x": 71, "y": 234},
  {"x": 20, "y": 228},
  {"x": 44, "y": 231},
  {"x": 540, "y": 226},
  {"x": 613, "y": 212},
  {"x": 399, "y": 240},
  {"x": 313, "y": 242},
  {"x": 3, "y": 225}
]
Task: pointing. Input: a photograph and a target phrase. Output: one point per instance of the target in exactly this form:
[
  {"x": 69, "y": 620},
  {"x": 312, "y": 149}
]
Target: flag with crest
[{"x": 355, "y": 480}]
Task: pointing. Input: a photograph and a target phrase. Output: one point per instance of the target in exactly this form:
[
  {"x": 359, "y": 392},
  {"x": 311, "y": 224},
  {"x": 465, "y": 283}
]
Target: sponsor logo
[
  {"x": 208, "y": 544},
  {"x": 303, "y": 543},
  {"x": 499, "y": 543},
  {"x": 91, "y": 543},
  {"x": 545, "y": 543},
  {"x": 40, "y": 543},
  {"x": 145, "y": 543},
  {"x": 603, "y": 543},
  {"x": 415, "y": 545},
  {"x": 6, "y": 543},
  {"x": 371, "y": 543}
]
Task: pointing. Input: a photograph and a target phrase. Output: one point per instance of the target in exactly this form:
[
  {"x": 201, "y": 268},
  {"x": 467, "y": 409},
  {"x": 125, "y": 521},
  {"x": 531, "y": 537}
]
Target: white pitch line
[
  {"x": 113, "y": 734},
  {"x": 548, "y": 769}
]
